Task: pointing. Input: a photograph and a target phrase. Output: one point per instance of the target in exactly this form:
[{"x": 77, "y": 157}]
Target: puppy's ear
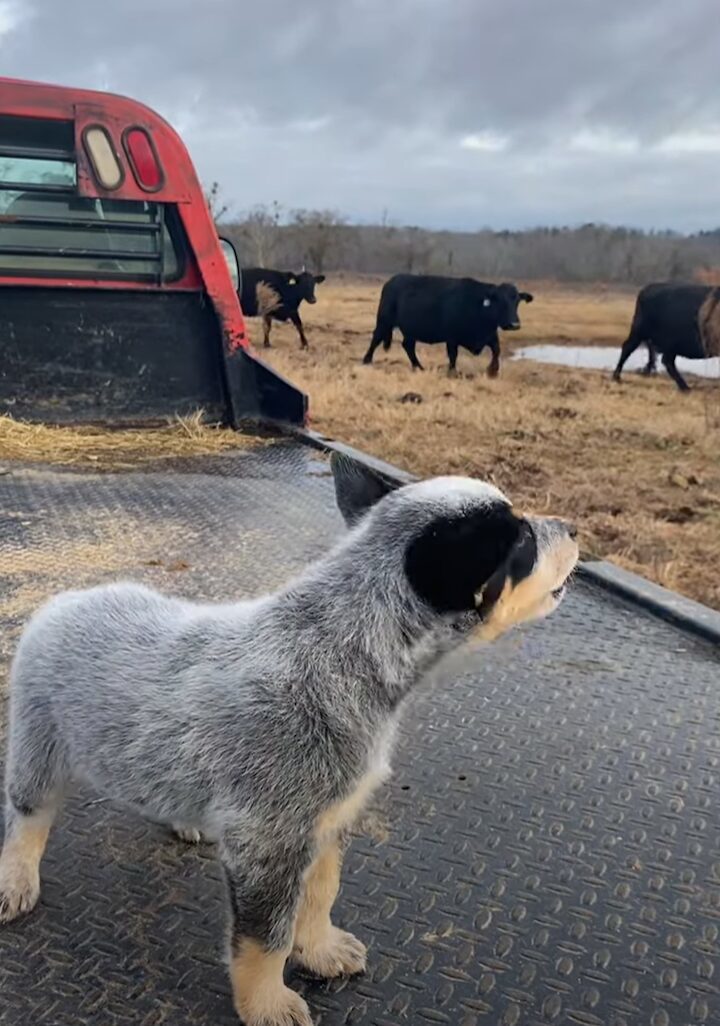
[
  {"x": 455, "y": 558},
  {"x": 357, "y": 488}
]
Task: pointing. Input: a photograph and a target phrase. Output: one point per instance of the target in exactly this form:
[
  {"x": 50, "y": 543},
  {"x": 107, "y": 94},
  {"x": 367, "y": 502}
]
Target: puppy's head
[{"x": 464, "y": 551}]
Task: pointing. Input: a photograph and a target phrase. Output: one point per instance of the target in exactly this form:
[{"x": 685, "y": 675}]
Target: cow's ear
[
  {"x": 319, "y": 279},
  {"x": 357, "y": 488},
  {"x": 527, "y": 296}
]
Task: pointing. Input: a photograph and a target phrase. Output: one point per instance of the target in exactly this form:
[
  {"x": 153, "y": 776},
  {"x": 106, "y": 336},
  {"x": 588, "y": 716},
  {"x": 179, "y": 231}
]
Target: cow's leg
[
  {"x": 380, "y": 337},
  {"x": 668, "y": 360},
  {"x": 452, "y": 351},
  {"x": 267, "y": 324},
  {"x": 651, "y": 366},
  {"x": 629, "y": 347},
  {"x": 494, "y": 365},
  {"x": 409, "y": 347},
  {"x": 295, "y": 318}
]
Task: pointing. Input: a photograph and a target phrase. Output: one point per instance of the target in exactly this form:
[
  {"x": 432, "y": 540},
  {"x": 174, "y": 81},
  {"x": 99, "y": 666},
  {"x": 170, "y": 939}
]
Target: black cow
[
  {"x": 674, "y": 320},
  {"x": 456, "y": 311},
  {"x": 276, "y": 296}
]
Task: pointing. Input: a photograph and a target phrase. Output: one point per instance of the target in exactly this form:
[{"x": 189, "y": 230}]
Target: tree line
[{"x": 325, "y": 240}]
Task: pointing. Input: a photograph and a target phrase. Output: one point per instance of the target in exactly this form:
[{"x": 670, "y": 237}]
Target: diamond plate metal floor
[{"x": 554, "y": 836}]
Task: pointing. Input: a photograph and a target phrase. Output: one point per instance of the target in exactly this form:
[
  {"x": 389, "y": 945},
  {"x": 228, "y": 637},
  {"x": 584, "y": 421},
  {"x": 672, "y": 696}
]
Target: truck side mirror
[{"x": 231, "y": 259}]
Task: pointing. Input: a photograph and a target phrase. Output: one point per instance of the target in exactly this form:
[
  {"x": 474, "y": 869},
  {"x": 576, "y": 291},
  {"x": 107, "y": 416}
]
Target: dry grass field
[{"x": 636, "y": 465}]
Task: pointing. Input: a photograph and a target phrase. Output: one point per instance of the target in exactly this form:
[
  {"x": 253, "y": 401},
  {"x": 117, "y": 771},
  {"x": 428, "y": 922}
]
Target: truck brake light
[{"x": 143, "y": 159}]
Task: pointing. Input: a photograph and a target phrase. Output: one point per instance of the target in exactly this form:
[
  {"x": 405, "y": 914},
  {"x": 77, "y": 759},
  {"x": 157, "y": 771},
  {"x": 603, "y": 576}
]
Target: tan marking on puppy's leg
[
  {"x": 344, "y": 814},
  {"x": 320, "y": 947},
  {"x": 260, "y": 995},
  {"x": 20, "y": 864}
]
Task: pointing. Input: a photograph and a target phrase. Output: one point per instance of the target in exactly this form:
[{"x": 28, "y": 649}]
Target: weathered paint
[
  {"x": 206, "y": 270},
  {"x": 181, "y": 187}
]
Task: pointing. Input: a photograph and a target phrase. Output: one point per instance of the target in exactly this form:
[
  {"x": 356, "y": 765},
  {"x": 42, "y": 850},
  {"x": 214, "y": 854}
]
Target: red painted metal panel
[{"x": 181, "y": 186}]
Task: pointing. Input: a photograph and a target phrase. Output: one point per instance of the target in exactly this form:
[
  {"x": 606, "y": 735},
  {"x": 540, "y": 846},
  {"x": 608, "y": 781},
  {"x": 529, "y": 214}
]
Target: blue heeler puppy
[{"x": 266, "y": 725}]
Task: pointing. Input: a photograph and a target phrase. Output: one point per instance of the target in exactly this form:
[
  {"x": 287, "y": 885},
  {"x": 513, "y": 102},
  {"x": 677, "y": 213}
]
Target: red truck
[
  {"x": 553, "y": 826},
  {"x": 118, "y": 301}
]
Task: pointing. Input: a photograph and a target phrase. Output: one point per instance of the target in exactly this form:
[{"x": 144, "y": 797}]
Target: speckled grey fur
[{"x": 245, "y": 721}]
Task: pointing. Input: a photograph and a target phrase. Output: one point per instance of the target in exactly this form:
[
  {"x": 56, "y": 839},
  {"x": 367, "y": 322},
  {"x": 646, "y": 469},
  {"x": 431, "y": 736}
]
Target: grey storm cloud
[{"x": 457, "y": 113}]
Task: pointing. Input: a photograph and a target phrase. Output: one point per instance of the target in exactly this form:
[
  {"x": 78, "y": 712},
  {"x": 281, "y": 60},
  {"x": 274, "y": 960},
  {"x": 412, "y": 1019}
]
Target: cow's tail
[
  {"x": 635, "y": 339},
  {"x": 637, "y": 328},
  {"x": 267, "y": 298},
  {"x": 385, "y": 319}
]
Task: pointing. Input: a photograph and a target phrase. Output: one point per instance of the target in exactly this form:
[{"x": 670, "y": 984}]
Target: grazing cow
[
  {"x": 456, "y": 311},
  {"x": 674, "y": 320},
  {"x": 276, "y": 296}
]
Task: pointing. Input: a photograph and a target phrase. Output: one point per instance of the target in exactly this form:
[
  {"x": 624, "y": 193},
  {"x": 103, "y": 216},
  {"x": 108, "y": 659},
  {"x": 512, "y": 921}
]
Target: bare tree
[
  {"x": 262, "y": 228},
  {"x": 217, "y": 206},
  {"x": 324, "y": 240},
  {"x": 415, "y": 249},
  {"x": 321, "y": 234}
]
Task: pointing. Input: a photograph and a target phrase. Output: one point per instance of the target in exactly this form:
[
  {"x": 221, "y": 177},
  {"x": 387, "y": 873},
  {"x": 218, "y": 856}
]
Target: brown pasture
[{"x": 636, "y": 465}]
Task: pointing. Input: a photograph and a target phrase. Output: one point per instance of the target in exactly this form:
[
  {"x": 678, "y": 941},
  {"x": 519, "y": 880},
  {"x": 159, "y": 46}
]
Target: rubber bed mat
[{"x": 553, "y": 834}]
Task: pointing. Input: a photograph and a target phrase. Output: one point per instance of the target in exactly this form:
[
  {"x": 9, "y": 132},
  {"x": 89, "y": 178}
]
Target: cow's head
[
  {"x": 504, "y": 300},
  {"x": 305, "y": 283}
]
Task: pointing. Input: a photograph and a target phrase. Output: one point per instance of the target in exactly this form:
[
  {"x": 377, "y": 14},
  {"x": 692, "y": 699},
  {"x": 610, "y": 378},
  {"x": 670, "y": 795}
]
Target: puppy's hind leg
[
  {"x": 33, "y": 787},
  {"x": 320, "y": 947},
  {"x": 264, "y": 880}
]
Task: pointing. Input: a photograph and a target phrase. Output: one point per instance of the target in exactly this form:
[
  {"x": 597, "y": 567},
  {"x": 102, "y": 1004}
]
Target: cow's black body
[
  {"x": 668, "y": 320},
  {"x": 461, "y": 312},
  {"x": 289, "y": 289}
]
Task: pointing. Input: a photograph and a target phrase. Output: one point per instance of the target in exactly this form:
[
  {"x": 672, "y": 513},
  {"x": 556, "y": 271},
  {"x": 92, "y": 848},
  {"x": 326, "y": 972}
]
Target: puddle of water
[{"x": 605, "y": 358}]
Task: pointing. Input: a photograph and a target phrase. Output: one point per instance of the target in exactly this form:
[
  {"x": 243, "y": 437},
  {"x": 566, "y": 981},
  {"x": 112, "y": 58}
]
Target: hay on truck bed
[
  {"x": 99, "y": 544},
  {"x": 115, "y": 449}
]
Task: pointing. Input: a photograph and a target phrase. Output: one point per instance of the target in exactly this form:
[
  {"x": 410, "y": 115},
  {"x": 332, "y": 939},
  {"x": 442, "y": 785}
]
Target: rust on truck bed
[{"x": 553, "y": 849}]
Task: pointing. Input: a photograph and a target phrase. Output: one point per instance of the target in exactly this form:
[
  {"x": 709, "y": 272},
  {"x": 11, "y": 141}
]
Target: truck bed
[{"x": 552, "y": 848}]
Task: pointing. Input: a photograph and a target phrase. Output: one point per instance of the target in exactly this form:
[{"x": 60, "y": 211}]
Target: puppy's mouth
[{"x": 558, "y": 594}]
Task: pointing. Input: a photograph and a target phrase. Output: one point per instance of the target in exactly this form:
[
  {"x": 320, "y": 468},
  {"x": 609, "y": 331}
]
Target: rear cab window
[{"x": 47, "y": 229}]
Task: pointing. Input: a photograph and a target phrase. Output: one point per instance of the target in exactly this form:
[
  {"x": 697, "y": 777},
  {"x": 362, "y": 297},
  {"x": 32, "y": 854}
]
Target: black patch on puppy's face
[
  {"x": 456, "y": 557},
  {"x": 520, "y": 564}
]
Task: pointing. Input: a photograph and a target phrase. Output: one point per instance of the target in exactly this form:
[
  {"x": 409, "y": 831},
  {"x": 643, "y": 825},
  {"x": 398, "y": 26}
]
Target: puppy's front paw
[
  {"x": 336, "y": 954},
  {"x": 191, "y": 835},
  {"x": 281, "y": 1007},
  {"x": 19, "y": 890}
]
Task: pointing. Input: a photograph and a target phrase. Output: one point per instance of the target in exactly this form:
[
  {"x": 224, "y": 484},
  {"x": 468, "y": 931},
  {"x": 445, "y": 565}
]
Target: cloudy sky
[{"x": 445, "y": 113}]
